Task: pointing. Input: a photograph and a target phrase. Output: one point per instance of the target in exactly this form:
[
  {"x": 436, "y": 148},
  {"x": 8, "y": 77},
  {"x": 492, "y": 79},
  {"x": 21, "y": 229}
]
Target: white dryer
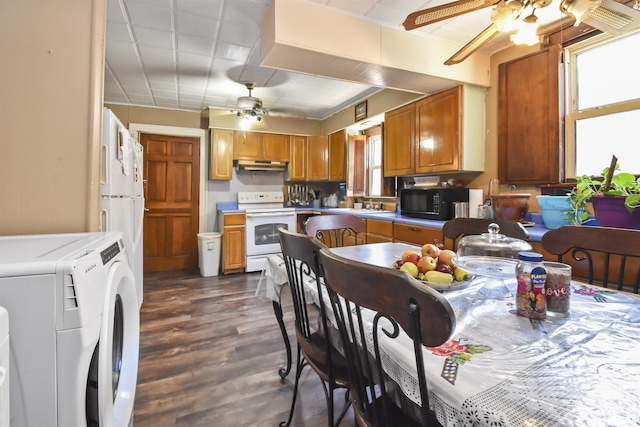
[
  {"x": 4, "y": 368},
  {"x": 74, "y": 328}
]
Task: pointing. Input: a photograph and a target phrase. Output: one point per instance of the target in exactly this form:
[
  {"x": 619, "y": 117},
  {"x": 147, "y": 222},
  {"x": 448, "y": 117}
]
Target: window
[
  {"x": 603, "y": 104},
  {"x": 374, "y": 145}
]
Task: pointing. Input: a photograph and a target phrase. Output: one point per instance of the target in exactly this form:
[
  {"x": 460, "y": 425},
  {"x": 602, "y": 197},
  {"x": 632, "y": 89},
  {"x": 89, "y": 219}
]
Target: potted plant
[{"x": 614, "y": 197}]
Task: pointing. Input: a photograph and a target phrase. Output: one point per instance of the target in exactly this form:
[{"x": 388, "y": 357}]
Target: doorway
[{"x": 171, "y": 222}]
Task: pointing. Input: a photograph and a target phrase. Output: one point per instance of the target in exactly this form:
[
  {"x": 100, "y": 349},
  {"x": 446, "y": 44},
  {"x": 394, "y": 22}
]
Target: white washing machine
[
  {"x": 4, "y": 368},
  {"x": 74, "y": 329}
]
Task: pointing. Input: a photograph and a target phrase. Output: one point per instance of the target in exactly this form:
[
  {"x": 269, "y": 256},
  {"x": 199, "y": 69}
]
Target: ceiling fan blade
[
  {"x": 446, "y": 11},
  {"x": 490, "y": 32},
  {"x": 613, "y": 18}
]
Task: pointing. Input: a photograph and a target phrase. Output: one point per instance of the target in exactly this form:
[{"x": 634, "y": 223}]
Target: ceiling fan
[
  {"x": 509, "y": 16},
  {"x": 249, "y": 107}
]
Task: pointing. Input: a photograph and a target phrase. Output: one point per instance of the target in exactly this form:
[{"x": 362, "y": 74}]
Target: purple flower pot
[{"x": 610, "y": 211}]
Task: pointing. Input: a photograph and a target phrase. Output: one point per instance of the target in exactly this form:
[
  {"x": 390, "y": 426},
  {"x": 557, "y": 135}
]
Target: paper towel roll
[{"x": 475, "y": 199}]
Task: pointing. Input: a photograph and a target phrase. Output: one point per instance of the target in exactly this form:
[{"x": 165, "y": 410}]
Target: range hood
[{"x": 257, "y": 165}]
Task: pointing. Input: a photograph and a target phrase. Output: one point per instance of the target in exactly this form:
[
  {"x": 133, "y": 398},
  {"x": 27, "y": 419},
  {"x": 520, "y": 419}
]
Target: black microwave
[{"x": 431, "y": 203}]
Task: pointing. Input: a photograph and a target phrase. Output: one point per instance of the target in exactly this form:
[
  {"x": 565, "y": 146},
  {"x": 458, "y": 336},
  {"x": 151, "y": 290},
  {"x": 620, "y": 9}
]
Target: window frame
[{"x": 572, "y": 114}]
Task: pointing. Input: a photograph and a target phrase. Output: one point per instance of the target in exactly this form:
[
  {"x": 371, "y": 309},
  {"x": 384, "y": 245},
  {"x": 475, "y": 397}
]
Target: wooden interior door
[{"x": 172, "y": 171}]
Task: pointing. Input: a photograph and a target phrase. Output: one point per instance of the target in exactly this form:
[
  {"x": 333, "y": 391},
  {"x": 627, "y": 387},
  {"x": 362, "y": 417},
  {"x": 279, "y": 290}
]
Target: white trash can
[{"x": 209, "y": 253}]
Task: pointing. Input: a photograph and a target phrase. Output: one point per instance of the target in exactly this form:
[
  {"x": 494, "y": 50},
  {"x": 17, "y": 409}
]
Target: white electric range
[{"x": 265, "y": 214}]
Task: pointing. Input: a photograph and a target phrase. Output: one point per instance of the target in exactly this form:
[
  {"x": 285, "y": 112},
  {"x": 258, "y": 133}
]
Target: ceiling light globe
[{"x": 245, "y": 123}]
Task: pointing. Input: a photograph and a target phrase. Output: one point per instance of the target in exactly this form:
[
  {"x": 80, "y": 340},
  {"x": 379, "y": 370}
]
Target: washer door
[{"x": 118, "y": 348}]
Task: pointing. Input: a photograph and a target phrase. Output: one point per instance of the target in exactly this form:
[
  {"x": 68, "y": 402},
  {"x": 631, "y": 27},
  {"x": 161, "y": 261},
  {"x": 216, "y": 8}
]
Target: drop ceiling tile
[
  {"x": 237, "y": 34},
  {"x": 204, "y": 8},
  {"x": 190, "y": 62},
  {"x": 232, "y": 51},
  {"x": 196, "y": 45},
  {"x": 150, "y": 16},
  {"x": 196, "y": 25},
  {"x": 117, "y": 32},
  {"x": 151, "y": 37}
]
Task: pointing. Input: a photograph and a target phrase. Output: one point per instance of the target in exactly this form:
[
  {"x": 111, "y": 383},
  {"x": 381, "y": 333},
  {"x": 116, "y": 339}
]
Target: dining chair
[
  {"x": 398, "y": 304},
  {"x": 333, "y": 229},
  {"x": 313, "y": 335},
  {"x": 602, "y": 255},
  {"x": 460, "y": 227}
]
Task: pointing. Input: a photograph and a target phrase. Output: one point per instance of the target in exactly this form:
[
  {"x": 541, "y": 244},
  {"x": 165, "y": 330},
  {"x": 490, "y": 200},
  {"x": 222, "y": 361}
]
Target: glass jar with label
[{"x": 532, "y": 276}]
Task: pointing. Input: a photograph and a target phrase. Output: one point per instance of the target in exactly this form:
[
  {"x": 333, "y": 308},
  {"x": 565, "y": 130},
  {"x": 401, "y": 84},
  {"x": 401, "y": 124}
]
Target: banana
[
  {"x": 461, "y": 275},
  {"x": 438, "y": 277}
]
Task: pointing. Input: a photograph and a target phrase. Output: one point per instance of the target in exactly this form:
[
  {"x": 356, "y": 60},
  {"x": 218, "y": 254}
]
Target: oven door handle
[{"x": 270, "y": 214}]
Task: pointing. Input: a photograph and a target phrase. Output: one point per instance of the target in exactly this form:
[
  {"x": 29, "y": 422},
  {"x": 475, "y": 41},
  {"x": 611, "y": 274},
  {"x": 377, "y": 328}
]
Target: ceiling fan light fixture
[
  {"x": 504, "y": 16},
  {"x": 527, "y": 33},
  {"x": 245, "y": 123}
]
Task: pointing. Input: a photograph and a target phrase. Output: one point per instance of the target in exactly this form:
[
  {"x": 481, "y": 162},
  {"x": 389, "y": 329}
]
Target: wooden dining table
[{"x": 501, "y": 369}]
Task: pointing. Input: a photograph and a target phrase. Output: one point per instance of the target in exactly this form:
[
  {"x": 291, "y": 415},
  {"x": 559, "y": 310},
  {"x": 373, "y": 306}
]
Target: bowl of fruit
[{"x": 434, "y": 266}]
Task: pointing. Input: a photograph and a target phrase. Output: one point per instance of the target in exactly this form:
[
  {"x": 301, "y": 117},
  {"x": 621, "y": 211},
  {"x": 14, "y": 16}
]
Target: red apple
[
  {"x": 446, "y": 257},
  {"x": 406, "y": 254},
  {"x": 399, "y": 263},
  {"x": 430, "y": 250},
  {"x": 412, "y": 258},
  {"x": 426, "y": 263},
  {"x": 444, "y": 268}
]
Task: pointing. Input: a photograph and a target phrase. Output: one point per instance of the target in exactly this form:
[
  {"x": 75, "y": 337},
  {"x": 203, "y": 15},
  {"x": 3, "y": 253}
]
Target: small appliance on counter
[{"x": 431, "y": 203}]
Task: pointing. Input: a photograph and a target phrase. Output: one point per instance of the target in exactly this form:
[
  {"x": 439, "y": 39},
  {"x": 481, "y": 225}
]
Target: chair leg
[
  {"x": 299, "y": 367},
  {"x": 329, "y": 395},
  {"x": 345, "y": 408}
]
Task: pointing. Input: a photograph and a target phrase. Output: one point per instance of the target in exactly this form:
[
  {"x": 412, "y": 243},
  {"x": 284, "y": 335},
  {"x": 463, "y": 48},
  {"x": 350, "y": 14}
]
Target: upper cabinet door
[
  {"x": 399, "y": 141},
  {"x": 247, "y": 146},
  {"x": 317, "y": 158},
  {"x": 298, "y": 162},
  {"x": 221, "y": 154},
  {"x": 275, "y": 147},
  {"x": 337, "y": 144},
  {"x": 529, "y": 142},
  {"x": 438, "y": 130}
]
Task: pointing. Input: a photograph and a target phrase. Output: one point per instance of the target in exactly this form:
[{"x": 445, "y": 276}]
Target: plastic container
[
  {"x": 552, "y": 209},
  {"x": 558, "y": 288},
  {"x": 209, "y": 253},
  {"x": 532, "y": 277}
]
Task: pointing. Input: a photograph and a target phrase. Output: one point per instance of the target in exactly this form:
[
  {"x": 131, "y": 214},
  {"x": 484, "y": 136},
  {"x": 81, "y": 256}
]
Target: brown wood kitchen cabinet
[
  {"x": 221, "y": 154},
  {"x": 234, "y": 255},
  {"x": 298, "y": 158},
  {"x": 337, "y": 146},
  {"x": 356, "y": 165},
  {"x": 275, "y": 147},
  {"x": 379, "y": 231},
  {"x": 444, "y": 132},
  {"x": 415, "y": 234},
  {"x": 317, "y": 158},
  {"x": 529, "y": 110},
  {"x": 399, "y": 141},
  {"x": 260, "y": 146}
]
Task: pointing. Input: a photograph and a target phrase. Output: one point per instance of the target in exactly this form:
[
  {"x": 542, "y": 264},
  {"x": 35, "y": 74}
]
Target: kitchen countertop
[{"x": 535, "y": 232}]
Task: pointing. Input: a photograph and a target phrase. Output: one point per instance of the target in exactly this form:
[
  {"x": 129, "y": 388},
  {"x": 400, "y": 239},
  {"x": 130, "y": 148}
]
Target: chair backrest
[
  {"x": 602, "y": 255},
  {"x": 400, "y": 303},
  {"x": 460, "y": 227},
  {"x": 300, "y": 253},
  {"x": 333, "y": 229}
]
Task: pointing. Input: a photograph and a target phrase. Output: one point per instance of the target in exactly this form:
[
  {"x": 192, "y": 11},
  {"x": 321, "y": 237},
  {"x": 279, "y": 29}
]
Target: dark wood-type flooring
[{"x": 209, "y": 356}]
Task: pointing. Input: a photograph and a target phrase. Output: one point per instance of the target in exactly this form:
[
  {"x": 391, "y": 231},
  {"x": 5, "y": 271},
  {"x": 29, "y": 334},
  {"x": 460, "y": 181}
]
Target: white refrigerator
[{"x": 122, "y": 190}]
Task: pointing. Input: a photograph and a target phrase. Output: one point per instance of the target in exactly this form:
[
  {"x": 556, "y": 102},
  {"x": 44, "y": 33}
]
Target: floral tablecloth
[{"x": 500, "y": 369}]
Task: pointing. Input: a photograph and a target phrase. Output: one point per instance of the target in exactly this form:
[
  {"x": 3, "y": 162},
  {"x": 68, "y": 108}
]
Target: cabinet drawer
[
  {"x": 234, "y": 219},
  {"x": 415, "y": 234},
  {"x": 376, "y": 238},
  {"x": 376, "y": 226}
]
